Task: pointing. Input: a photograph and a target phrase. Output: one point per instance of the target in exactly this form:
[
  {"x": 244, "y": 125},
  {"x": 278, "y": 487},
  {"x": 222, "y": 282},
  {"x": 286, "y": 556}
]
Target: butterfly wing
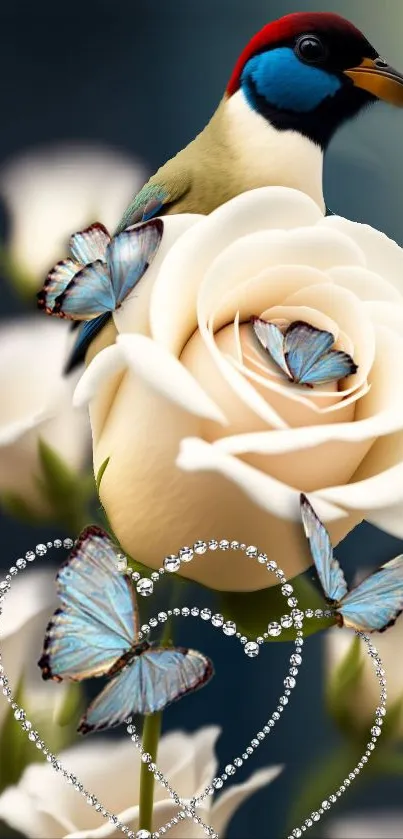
[
  {"x": 56, "y": 282},
  {"x": 87, "y": 295},
  {"x": 332, "y": 366},
  {"x": 97, "y": 619},
  {"x": 129, "y": 255},
  {"x": 90, "y": 244},
  {"x": 148, "y": 684},
  {"x": 377, "y": 601},
  {"x": 304, "y": 345},
  {"x": 271, "y": 339},
  {"x": 329, "y": 571}
]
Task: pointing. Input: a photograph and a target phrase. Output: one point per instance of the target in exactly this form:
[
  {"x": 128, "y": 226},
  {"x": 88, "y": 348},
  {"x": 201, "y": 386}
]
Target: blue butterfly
[
  {"x": 102, "y": 271},
  {"x": 94, "y": 632},
  {"x": 375, "y": 603},
  {"x": 304, "y": 353}
]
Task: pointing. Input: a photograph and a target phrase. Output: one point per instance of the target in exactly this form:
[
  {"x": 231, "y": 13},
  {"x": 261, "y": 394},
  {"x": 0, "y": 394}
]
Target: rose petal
[
  {"x": 378, "y": 414},
  {"x": 24, "y": 815},
  {"x": 244, "y": 406},
  {"x": 365, "y": 284},
  {"x": 249, "y": 255},
  {"x": 372, "y": 493},
  {"x": 382, "y": 255},
  {"x": 133, "y": 314},
  {"x": 104, "y": 365},
  {"x": 268, "y": 288},
  {"x": 265, "y": 491},
  {"x": 389, "y": 519},
  {"x": 386, "y": 314},
  {"x": 162, "y": 371},
  {"x": 230, "y": 800},
  {"x": 163, "y": 811},
  {"x": 185, "y": 265},
  {"x": 13, "y": 431}
]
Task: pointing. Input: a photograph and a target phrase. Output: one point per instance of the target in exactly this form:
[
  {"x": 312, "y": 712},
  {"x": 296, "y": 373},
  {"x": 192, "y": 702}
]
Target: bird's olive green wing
[{"x": 159, "y": 194}]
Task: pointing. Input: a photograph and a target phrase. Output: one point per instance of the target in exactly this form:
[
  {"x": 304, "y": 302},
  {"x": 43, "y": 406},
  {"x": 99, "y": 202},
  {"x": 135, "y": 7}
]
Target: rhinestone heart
[{"x": 145, "y": 587}]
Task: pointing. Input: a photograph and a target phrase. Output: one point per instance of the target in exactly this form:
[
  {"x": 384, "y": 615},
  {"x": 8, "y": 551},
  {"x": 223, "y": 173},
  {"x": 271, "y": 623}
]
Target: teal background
[{"x": 145, "y": 77}]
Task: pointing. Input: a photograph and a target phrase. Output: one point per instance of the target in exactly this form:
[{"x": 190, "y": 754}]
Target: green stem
[{"x": 151, "y": 736}]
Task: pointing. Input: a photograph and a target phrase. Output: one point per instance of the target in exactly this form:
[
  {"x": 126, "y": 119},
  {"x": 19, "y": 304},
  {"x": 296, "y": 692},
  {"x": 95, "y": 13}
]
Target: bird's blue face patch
[{"x": 288, "y": 84}]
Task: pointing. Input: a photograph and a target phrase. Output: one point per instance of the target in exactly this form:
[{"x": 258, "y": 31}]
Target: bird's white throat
[{"x": 272, "y": 157}]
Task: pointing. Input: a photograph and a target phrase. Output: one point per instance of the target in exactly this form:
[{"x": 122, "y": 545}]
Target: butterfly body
[
  {"x": 375, "y": 603},
  {"x": 95, "y": 632},
  {"x": 303, "y": 353}
]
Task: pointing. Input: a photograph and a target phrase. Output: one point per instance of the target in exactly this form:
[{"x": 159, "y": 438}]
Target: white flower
[
  {"x": 42, "y": 805},
  {"x": 36, "y": 404},
  {"x": 54, "y": 191},
  {"x": 364, "y": 697},
  {"x": 196, "y": 382},
  {"x": 25, "y": 613},
  {"x": 387, "y": 824}
]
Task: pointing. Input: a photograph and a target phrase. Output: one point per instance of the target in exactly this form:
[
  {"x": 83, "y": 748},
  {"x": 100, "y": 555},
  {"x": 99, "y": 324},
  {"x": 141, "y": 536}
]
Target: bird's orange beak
[{"x": 377, "y": 77}]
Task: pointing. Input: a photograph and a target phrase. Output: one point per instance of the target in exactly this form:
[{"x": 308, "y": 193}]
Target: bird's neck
[{"x": 266, "y": 156}]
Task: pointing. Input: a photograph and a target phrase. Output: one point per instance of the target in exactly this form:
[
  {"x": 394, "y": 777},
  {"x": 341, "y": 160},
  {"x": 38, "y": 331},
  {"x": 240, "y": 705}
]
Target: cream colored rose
[
  {"x": 36, "y": 406},
  {"x": 43, "y": 806},
  {"x": 205, "y": 438}
]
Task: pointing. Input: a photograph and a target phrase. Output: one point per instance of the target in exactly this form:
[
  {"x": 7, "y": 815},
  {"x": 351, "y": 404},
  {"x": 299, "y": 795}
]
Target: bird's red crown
[{"x": 286, "y": 28}]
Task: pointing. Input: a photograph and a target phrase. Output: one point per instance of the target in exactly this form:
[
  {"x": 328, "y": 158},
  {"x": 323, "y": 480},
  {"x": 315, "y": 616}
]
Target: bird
[{"x": 295, "y": 83}]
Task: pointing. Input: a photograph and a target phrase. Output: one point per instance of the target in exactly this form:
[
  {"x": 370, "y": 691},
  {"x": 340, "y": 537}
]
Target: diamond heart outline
[{"x": 144, "y": 587}]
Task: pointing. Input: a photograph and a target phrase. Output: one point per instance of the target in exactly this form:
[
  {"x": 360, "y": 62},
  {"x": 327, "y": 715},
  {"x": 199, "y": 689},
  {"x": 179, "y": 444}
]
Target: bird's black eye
[{"x": 310, "y": 49}]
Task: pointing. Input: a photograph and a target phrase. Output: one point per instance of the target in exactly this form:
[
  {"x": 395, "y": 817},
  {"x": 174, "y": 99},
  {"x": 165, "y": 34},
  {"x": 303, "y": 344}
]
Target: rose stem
[{"x": 151, "y": 736}]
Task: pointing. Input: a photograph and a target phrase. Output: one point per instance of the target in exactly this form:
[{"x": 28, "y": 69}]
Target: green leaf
[
  {"x": 386, "y": 762},
  {"x": 57, "y": 479},
  {"x": 345, "y": 677},
  {"x": 100, "y": 472},
  {"x": 252, "y": 611},
  {"x": 67, "y": 493}
]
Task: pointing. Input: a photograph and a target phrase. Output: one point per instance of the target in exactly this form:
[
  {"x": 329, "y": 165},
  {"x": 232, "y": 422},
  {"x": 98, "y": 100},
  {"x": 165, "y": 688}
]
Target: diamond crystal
[
  {"x": 251, "y": 649},
  {"x": 145, "y": 587},
  {"x": 171, "y": 563}
]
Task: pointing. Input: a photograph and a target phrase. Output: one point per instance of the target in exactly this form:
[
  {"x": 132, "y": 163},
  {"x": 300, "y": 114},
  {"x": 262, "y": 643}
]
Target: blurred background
[{"x": 94, "y": 97}]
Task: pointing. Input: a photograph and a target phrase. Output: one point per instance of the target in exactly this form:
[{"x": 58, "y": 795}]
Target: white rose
[
  {"x": 36, "y": 405},
  {"x": 195, "y": 383},
  {"x": 25, "y": 613},
  {"x": 44, "y": 807},
  {"x": 54, "y": 191}
]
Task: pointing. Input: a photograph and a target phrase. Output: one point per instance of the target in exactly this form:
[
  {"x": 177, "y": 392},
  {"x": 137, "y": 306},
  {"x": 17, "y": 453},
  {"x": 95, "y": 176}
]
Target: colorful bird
[{"x": 295, "y": 83}]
